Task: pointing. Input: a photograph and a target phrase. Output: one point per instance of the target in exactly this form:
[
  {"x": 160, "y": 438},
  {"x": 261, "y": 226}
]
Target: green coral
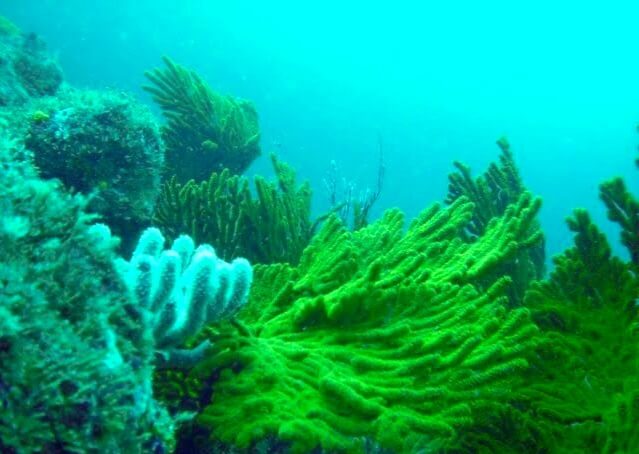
[
  {"x": 272, "y": 226},
  {"x": 205, "y": 130},
  {"x": 622, "y": 420},
  {"x": 623, "y": 209},
  {"x": 586, "y": 388},
  {"x": 377, "y": 334},
  {"x": 492, "y": 192}
]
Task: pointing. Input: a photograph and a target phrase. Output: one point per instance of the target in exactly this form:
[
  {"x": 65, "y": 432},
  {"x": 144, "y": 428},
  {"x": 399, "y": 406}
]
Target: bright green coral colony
[{"x": 377, "y": 334}]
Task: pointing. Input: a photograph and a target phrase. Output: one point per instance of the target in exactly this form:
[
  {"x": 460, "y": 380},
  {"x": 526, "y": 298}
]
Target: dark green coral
[
  {"x": 271, "y": 226},
  {"x": 584, "y": 393},
  {"x": 205, "y": 130},
  {"x": 623, "y": 209}
]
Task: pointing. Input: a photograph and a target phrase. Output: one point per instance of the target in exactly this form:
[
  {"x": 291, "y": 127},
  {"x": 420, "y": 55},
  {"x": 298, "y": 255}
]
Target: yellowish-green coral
[
  {"x": 492, "y": 192},
  {"x": 272, "y": 226},
  {"x": 377, "y": 334},
  {"x": 205, "y": 130}
]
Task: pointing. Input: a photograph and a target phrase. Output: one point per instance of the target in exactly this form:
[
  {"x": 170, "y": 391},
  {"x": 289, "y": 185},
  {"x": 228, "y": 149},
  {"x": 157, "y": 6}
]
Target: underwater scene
[{"x": 335, "y": 227}]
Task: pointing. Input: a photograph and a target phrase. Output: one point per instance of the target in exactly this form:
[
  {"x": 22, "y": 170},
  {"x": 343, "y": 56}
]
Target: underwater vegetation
[
  {"x": 272, "y": 226},
  {"x": 205, "y": 131},
  {"x": 492, "y": 193},
  {"x": 439, "y": 334}
]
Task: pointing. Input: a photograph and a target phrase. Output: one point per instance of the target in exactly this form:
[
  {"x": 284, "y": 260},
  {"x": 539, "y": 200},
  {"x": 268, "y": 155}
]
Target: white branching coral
[{"x": 181, "y": 289}]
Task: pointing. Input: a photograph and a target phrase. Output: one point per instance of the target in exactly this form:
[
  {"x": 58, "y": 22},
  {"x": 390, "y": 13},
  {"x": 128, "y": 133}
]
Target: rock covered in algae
[
  {"x": 75, "y": 368},
  {"x": 102, "y": 143}
]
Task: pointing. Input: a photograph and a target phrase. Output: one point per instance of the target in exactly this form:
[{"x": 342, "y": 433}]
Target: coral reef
[
  {"x": 206, "y": 131},
  {"x": 443, "y": 336},
  {"x": 26, "y": 69},
  {"x": 75, "y": 372},
  {"x": 587, "y": 388},
  {"x": 272, "y": 226},
  {"x": 492, "y": 192},
  {"x": 81, "y": 331},
  {"x": 376, "y": 335},
  {"x": 182, "y": 289},
  {"x": 101, "y": 143},
  {"x": 588, "y": 313}
]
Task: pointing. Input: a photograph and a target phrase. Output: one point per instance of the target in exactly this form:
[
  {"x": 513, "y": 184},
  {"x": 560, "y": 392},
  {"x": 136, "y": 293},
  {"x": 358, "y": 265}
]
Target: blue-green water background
[{"x": 438, "y": 83}]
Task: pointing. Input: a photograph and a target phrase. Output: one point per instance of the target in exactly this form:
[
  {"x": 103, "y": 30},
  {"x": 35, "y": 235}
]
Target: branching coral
[
  {"x": 205, "y": 131},
  {"x": 182, "y": 289},
  {"x": 587, "y": 312},
  {"x": 587, "y": 388},
  {"x": 623, "y": 209},
  {"x": 273, "y": 226},
  {"x": 376, "y": 335},
  {"x": 492, "y": 192},
  {"x": 344, "y": 201}
]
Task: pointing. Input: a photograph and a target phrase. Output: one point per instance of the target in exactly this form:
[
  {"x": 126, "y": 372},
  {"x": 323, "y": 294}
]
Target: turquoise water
[{"x": 438, "y": 83}]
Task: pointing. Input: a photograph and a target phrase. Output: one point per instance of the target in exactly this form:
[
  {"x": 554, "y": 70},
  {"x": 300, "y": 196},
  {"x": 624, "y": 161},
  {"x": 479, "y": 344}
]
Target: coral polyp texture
[
  {"x": 205, "y": 131},
  {"x": 492, "y": 192},
  {"x": 101, "y": 143},
  {"x": 377, "y": 334},
  {"x": 182, "y": 289},
  {"x": 274, "y": 225}
]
